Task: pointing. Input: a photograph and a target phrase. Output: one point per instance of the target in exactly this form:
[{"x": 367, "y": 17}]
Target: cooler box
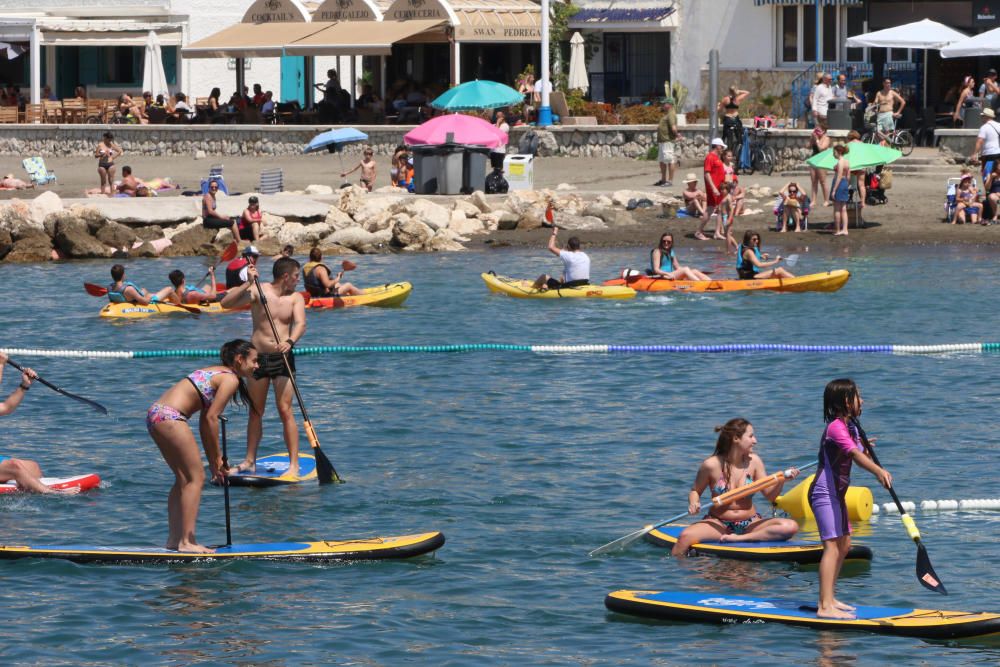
[{"x": 519, "y": 170}]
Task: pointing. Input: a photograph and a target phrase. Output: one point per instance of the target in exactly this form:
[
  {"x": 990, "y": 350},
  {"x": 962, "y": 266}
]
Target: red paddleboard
[{"x": 82, "y": 482}]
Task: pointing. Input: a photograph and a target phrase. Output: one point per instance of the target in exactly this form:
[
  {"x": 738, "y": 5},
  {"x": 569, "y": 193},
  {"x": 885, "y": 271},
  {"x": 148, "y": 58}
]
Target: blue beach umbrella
[
  {"x": 474, "y": 95},
  {"x": 334, "y": 140}
]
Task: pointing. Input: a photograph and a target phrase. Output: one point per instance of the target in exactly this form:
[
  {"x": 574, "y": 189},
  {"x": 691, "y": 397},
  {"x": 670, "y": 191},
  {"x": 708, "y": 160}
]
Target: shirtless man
[
  {"x": 25, "y": 473},
  {"x": 129, "y": 183},
  {"x": 367, "y": 167},
  {"x": 288, "y": 309},
  {"x": 885, "y": 100}
]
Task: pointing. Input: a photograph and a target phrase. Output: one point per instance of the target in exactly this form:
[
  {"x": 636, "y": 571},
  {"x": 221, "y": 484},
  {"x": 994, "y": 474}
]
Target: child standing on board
[
  {"x": 839, "y": 447},
  {"x": 367, "y": 167}
]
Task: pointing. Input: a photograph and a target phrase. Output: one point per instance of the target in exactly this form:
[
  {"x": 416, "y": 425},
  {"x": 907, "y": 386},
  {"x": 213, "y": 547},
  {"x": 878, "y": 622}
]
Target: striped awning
[{"x": 760, "y": 3}]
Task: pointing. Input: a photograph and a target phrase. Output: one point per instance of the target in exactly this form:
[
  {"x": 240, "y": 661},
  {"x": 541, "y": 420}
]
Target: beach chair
[
  {"x": 272, "y": 181},
  {"x": 40, "y": 175},
  {"x": 8, "y": 115},
  {"x": 779, "y": 213},
  {"x": 951, "y": 191},
  {"x": 214, "y": 174}
]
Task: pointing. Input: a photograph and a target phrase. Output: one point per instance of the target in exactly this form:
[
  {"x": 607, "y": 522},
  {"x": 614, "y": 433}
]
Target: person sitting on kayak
[
  {"x": 663, "y": 262},
  {"x": 181, "y": 293},
  {"x": 206, "y": 390},
  {"x": 576, "y": 265},
  {"x": 750, "y": 261},
  {"x": 316, "y": 276},
  {"x": 126, "y": 291},
  {"x": 23, "y": 472},
  {"x": 236, "y": 270},
  {"x": 733, "y": 464}
]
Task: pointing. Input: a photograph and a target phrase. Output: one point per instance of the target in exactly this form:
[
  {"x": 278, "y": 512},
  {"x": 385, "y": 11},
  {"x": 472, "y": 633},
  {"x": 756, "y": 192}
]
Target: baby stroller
[
  {"x": 779, "y": 213},
  {"x": 873, "y": 183}
]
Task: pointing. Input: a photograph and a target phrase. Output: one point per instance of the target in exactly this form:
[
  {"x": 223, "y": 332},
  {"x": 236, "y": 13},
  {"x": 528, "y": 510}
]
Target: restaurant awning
[
  {"x": 252, "y": 40},
  {"x": 498, "y": 25},
  {"x": 358, "y": 38}
]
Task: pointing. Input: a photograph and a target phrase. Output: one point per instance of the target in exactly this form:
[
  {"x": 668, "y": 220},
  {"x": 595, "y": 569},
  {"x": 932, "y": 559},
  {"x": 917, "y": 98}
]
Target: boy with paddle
[{"x": 289, "y": 314}]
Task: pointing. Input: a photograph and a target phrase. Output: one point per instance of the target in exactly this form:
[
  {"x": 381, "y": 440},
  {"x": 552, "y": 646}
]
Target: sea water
[{"x": 525, "y": 461}]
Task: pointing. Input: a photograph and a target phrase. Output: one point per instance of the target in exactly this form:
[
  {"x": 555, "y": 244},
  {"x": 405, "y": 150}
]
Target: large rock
[
  {"x": 443, "y": 241},
  {"x": 319, "y": 190},
  {"x": 194, "y": 240},
  {"x": 411, "y": 234},
  {"x": 16, "y": 218},
  {"x": 351, "y": 199},
  {"x": 337, "y": 219},
  {"x": 465, "y": 226},
  {"x": 149, "y": 233},
  {"x": 43, "y": 205},
  {"x": 35, "y": 247},
  {"x": 89, "y": 214},
  {"x": 622, "y": 197},
  {"x": 389, "y": 223},
  {"x": 163, "y": 211},
  {"x": 375, "y": 207},
  {"x": 73, "y": 239},
  {"x": 613, "y": 217},
  {"x": 507, "y": 220},
  {"x": 270, "y": 224},
  {"x": 469, "y": 209},
  {"x": 147, "y": 249},
  {"x": 297, "y": 234},
  {"x": 580, "y": 222},
  {"x": 354, "y": 238},
  {"x": 521, "y": 201},
  {"x": 478, "y": 199},
  {"x": 6, "y": 243},
  {"x": 531, "y": 219},
  {"x": 328, "y": 248},
  {"x": 433, "y": 215},
  {"x": 115, "y": 235}
]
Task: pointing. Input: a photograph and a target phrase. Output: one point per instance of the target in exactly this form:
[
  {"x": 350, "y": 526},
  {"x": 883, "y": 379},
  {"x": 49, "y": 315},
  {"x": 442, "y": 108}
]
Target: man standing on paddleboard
[
  {"x": 24, "y": 472},
  {"x": 288, "y": 310}
]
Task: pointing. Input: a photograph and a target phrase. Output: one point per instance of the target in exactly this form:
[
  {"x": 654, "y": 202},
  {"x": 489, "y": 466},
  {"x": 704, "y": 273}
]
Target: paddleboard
[
  {"x": 790, "y": 551},
  {"x": 82, "y": 482},
  {"x": 731, "y": 609},
  {"x": 273, "y": 471},
  {"x": 372, "y": 548}
]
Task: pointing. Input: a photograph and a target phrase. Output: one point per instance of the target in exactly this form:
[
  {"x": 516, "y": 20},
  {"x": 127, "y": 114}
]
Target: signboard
[
  {"x": 346, "y": 10},
  {"x": 985, "y": 13},
  {"x": 498, "y": 33},
  {"x": 275, "y": 11},
  {"x": 410, "y": 10}
]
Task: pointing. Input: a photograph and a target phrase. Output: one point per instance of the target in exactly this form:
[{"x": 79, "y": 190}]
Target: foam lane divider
[
  {"x": 941, "y": 505},
  {"x": 736, "y": 348}
]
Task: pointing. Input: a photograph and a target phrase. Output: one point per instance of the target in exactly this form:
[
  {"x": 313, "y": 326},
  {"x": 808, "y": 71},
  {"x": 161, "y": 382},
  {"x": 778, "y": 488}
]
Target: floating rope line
[
  {"x": 942, "y": 505},
  {"x": 736, "y": 348}
]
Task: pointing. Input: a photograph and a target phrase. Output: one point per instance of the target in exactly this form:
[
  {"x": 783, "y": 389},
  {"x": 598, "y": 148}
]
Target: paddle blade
[
  {"x": 621, "y": 542},
  {"x": 229, "y": 254},
  {"x": 791, "y": 260},
  {"x": 348, "y": 265},
  {"x": 925, "y": 571},
  {"x": 95, "y": 290},
  {"x": 325, "y": 472}
]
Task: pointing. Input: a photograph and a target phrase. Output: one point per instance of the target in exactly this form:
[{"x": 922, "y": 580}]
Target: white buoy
[{"x": 928, "y": 505}]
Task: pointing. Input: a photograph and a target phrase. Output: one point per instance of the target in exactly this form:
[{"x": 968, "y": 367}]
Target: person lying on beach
[
  {"x": 316, "y": 277},
  {"x": 181, "y": 293},
  {"x": 663, "y": 262},
  {"x": 733, "y": 464},
  {"x": 129, "y": 183},
  {"x": 367, "y": 167},
  {"x": 8, "y": 182}
]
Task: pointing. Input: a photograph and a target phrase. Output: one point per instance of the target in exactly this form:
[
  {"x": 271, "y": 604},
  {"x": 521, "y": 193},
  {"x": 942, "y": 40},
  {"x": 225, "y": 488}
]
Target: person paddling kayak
[
  {"x": 24, "y": 472},
  {"x": 181, "y": 293},
  {"x": 319, "y": 281},
  {"x": 752, "y": 264},
  {"x": 733, "y": 464},
  {"x": 663, "y": 262},
  {"x": 236, "y": 270},
  {"x": 122, "y": 290},
  {"x": 206, "y": 390},
  {"x": 576, "y": 265}
]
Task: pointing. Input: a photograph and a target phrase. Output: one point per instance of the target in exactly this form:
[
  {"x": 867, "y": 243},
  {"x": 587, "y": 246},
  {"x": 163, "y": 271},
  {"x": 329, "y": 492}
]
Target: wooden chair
[
  {"x": 53, "y": 111},
  {"x": 74, "y": 110},
  {"x": 95, "y": 110},
  {"x": 34, "y": 113},
  {"x": 8, "y": 115}
]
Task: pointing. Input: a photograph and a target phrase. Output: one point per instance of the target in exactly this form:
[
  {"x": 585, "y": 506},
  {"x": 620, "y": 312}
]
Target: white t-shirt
[
  {"x": 538, "y": 86},
  {"x": 821, "y": 99},
  {"x": 990, "y": 134},
  {"x": 576, "y": 265}
]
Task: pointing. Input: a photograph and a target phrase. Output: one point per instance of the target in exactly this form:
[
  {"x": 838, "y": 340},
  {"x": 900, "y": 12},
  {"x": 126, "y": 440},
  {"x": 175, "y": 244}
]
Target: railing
[{"x": 803, "y": 83}]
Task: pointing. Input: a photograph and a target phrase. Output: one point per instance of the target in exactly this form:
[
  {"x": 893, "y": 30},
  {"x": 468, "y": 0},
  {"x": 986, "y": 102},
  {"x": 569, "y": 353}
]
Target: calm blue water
[{"x": 526, "y": 462}]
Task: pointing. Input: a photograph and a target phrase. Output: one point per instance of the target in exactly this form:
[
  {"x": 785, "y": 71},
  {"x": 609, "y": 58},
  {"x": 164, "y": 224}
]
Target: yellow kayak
[
  {"x": 830, "y": 281},
  {"x": 390, "y": 294},
  {"x": 134, "y": 311},
  {"x": 522, "y": 289}
]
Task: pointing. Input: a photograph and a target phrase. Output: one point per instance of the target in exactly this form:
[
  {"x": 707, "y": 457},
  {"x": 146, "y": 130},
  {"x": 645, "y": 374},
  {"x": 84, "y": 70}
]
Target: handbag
[{"x": 886, "y": 181}]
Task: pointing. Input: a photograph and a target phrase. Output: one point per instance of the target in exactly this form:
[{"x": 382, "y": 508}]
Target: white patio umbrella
[
  {"x": 924, "y": 35},
  {"x": 983, "y": 44},
  {"x": 154, "y": 78},
  {"x": 577, "y": 64}
]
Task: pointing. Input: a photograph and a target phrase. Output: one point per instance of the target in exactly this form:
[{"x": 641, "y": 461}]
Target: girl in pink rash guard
[{"x": 839, "y": 447}]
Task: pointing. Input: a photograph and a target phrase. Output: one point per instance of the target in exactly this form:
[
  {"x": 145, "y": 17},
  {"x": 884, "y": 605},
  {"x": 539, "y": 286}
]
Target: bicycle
[
  {"x": 762, "y": 156},
  {"x": 901, "y": 140}
]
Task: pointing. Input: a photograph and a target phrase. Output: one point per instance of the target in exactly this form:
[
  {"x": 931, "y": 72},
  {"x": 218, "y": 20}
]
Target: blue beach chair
[
  {"x": 40, "y": 175},
  {"x": 214, "y": 174}
]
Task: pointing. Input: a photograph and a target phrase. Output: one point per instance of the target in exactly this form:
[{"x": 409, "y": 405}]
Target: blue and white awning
[{"x": 808, "y": 2}]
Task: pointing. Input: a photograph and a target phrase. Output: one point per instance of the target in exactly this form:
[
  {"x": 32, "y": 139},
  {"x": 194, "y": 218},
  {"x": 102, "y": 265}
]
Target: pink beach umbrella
[{"x": 466, "y": 130}]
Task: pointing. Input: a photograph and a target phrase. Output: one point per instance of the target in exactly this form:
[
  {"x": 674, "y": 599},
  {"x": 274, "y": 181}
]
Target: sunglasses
[{"x": 666, "y": 242}]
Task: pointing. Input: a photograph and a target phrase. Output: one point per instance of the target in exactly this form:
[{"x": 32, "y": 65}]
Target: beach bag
[{"x": 886, "y": 179}]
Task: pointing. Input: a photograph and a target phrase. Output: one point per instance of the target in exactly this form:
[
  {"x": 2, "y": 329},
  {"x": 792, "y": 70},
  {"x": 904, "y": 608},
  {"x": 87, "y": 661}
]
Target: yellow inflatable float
[{"x": 796, "y": 502}]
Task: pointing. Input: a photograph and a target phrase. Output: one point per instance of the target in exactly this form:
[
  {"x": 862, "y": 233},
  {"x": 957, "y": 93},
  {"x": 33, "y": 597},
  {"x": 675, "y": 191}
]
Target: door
[
  {"x": 614, "y": 67},
  {"x": 293, "y": 71}
]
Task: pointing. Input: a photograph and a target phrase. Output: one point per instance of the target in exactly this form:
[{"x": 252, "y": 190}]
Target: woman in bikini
[
  {"x": 733, "y": 464},
  {"x": 107, "y": 152},
  {"x": 207, "y": 390}
]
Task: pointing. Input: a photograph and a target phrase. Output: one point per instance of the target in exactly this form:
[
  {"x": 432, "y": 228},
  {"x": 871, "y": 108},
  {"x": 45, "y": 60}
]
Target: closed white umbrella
[
  {"x": 983, "y": 44},
  {"x": 154, "y": 78},
  {"x": 577, "y": 64}
]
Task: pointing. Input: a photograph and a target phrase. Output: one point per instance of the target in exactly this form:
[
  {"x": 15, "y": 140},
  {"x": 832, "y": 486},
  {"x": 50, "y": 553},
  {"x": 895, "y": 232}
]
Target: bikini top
[
  {"x": 202, "y": 381},
  {"x": 722, "y": 485}
]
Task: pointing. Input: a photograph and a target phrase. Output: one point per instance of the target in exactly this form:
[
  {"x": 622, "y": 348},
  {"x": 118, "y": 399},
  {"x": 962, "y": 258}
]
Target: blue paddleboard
[{"x": 273, "y": 471}]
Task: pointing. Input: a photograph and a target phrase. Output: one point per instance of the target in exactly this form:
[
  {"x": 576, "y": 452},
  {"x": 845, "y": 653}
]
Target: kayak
[
  {"x": 82, "y": 482},
  {"x": 522, "y": 289},
  {"x": 370, "y": 548},
  {"x": 390, "y": 294},
  {"x": 273, "y": 471},
  {"x": 830, "y": 281},
  {"x": 789, "y": 551},
  {"x": 134, "y": 311},
  {"x": 732, "y": 609}
]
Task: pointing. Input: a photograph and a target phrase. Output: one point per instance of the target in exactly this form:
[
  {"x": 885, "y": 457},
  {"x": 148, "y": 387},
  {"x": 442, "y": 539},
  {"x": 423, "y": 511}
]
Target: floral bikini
[{"x": 202, "y": 381}]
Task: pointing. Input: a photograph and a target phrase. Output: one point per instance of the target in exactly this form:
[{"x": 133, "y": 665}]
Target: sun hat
[
  {"x": 691, "y": 178},
  {"x": 989, "y": 113},
  {"x": 718, "y": 142}
]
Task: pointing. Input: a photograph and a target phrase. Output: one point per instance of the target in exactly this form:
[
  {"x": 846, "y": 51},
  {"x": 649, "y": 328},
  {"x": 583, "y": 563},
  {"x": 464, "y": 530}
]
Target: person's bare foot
[
  {"x": 730, "y": 537},
  {"x": 245, "y": 466},
  {"x": 72, "y": 491},
  {"x": 835, "y": 614},
  {"x": 843, "y": 606},
  {"x": 700, "y": 236},
  {"x": 192, "y": 548},
  {"x": 293, "y": 471}
]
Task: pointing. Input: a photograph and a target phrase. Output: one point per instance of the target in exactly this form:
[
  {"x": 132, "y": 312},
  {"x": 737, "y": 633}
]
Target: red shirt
[{"x": 715, "y": 168}]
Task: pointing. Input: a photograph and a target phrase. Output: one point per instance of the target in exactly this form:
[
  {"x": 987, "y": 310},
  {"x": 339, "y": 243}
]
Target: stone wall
[
  {"x": 632, "y": 141},
  {"x": 955, "y": 143}
]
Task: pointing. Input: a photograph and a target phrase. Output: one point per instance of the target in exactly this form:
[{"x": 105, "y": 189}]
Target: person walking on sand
[
  {"x": 715, "y": 175},
  {"x": 819, "y": 141},
  {"x": 288, "y": 309},
  {"x": 666, "y": 135},
  {"x": 23, "y": 472},
  {"x": 208, "y": 391},
  {"x": 367, "y": 167},
  {"x": 107, "y": 152}
]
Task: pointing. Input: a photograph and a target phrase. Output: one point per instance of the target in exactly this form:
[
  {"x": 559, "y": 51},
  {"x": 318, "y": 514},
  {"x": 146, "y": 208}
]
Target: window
[
  {"x": 830, "y": 33},
  {"x": 855, "y": 26},
  {"x": 789, "y": 34},
  {"x": 798, "y": 34},
  {"x": 808, "y": 34},
  {"x": 118, "y": 65}
]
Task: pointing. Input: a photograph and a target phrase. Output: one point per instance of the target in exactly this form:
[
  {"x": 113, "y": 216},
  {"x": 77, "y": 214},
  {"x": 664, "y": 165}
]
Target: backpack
[{"x": 496, "y": 184}]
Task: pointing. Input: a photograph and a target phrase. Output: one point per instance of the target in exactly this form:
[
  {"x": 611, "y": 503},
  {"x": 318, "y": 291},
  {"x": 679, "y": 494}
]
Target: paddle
[
  {"x": 97, "y": 406},
  {"x": 925, "y": 571},
  {"x": 791, "y": 261},
  {"x": 97, "y": 290},
  {"x": 348, "y": 265},
  {"x": 729, "y": 496},
  {"x": 225, "y": 480},
  {"x": 324, "y": 469},
  {"x": 228, "y": 255}
]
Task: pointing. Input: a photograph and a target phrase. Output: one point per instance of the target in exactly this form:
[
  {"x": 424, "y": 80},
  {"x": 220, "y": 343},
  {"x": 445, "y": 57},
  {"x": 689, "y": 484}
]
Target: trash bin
[
  {"x": 450, "y": 173},
  {"x": 973, "y": 118},
  {"x": 474, "y": 169},
  {"x": 519, "y": 170},
  {"x": 838, "y": 116},
  {"x": 426, "y": 169}
]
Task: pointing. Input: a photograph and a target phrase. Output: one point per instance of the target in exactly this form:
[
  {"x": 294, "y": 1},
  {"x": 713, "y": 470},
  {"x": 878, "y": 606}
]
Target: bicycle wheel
[
  {"x": 868, "y": 138},
  {"x": 903, "y": 142},
  {"x": 767, "y": 160}
]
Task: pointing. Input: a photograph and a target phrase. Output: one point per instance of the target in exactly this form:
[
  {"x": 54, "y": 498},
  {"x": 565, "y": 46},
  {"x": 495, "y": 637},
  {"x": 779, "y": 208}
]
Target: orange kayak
[{"x": 830, "y": 281}]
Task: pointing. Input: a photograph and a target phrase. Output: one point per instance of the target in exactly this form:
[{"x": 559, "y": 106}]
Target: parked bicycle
[
  {"x": 762, "y": 156},
  {"x": 901, "y": 140}
]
